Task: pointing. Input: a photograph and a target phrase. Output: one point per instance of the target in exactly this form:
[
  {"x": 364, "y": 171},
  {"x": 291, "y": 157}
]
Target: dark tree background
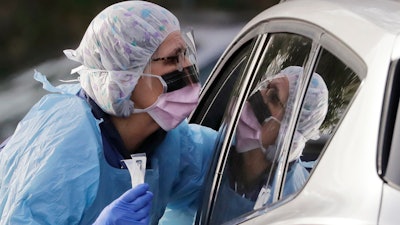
[{"x": 33, "y": 31}]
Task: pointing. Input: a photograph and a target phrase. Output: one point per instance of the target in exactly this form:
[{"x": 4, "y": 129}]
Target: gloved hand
[{"x": 133, "y": 207}]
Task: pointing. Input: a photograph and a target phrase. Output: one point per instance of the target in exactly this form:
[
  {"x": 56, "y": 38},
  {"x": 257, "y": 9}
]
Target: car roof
[
  {"x": 360, "y": 24},
  {"x": 382, "y": 13}
]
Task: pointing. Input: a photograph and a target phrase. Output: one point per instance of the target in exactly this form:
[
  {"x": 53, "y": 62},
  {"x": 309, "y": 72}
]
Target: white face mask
[{"x": 172, "y": 108}]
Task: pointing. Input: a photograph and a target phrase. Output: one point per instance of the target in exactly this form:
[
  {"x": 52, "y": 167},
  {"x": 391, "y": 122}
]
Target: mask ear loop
[
  {"x": 163, "y": 83},
  {"x": 150, "y": 74}
]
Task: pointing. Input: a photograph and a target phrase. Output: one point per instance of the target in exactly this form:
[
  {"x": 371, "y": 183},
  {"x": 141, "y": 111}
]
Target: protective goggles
[{"x": 185, "y": 56}]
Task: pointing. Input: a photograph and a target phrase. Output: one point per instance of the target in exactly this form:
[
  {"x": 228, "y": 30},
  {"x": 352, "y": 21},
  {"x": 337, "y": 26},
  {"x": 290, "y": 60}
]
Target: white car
[{"x": 353, "y": 177}]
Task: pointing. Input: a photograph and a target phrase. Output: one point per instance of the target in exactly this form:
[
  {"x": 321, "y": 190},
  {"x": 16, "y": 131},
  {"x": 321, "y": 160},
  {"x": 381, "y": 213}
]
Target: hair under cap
[{"x": 116, "y": 48}]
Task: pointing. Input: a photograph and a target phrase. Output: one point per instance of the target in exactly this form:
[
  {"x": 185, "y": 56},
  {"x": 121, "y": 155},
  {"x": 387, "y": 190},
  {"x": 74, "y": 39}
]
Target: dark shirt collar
[{"x": 114, "y": 148}]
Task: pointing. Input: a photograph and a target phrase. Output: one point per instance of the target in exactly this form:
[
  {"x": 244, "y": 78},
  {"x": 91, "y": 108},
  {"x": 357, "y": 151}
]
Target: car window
[
  {"x": 212, "y": 106},
  {"x": 248, "y": 173},
  {"x": 331, "y": 87},
  {"x": 342, "y": 84},
  {"x": 284, "y": 125}
]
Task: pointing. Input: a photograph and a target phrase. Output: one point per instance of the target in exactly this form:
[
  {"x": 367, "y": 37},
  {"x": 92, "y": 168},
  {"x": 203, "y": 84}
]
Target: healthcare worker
[
  {"x": 246, "y": 186},
  {"x": 138, "y": 82}
]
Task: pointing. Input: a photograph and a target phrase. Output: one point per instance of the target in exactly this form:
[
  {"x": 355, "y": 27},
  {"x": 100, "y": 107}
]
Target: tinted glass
[
  {"x": 248, "y": 178},
  {"x": 330, "y": 90},
  {"x": 390, "y": 153},
  {"x": 392, "y": 174},
  {"x": 212, "y": 106},
  {"x": 342, "y": 84}
]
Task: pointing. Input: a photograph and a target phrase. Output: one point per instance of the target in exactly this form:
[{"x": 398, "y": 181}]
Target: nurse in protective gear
[{"x": 138, "y": 81}]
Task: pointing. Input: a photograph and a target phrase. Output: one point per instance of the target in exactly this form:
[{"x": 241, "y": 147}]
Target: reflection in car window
[
  {"x": 331, "y": 88},
  {"x": 342, "y": 83},
  {"x": 313, "y": 113},
  {"x": 249, "y": 175},
  {"x": 212, "y": 106},
  {"x": 214, "y": 103}
]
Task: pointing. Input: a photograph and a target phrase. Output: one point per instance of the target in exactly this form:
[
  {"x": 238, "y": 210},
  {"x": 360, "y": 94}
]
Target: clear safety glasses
[
  {"x": 184, "y": 55},
  {"x": 185, "y": 61}
]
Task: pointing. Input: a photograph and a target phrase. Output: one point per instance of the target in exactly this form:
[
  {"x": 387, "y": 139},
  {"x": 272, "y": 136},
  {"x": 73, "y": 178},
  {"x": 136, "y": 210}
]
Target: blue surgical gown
[{"x": 53, "y": 170}]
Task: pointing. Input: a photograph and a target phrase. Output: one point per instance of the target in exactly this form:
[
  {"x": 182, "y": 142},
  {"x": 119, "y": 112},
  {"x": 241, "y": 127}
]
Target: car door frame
[
  {"x": 262, "y": 31},
  {"x": 219, "y": 162}
]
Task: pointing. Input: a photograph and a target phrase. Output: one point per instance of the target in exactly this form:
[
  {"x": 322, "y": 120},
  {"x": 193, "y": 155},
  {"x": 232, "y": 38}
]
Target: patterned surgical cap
[{"x": 116, "y": 48}]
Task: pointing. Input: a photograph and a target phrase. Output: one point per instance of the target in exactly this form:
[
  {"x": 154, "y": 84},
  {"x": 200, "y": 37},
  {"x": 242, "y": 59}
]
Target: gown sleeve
[
  {"x": 197, "y": 146},
  {"x": 49, "y": 169}
]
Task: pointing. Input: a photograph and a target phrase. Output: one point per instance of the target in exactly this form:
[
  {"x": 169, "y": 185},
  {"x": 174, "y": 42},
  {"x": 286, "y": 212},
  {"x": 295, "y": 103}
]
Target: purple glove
[{"x": 133, "y": 207}]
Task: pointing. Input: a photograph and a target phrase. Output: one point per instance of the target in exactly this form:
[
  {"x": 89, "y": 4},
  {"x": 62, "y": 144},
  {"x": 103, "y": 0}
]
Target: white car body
[
  {"x": 341, "y": 191},
  {"x": 345, "y": 187}
]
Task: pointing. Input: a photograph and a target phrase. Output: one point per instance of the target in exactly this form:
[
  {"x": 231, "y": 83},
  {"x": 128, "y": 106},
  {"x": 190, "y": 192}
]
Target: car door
[{"x": 257, "y": 98}]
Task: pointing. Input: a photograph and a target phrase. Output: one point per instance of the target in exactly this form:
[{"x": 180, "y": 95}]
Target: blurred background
[{"x": 35, "y": 32}]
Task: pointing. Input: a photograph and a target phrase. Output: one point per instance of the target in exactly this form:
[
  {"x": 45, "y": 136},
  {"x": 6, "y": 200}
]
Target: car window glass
[
  {"x": 330, "y": 90},
  {"x": 252, "y": 160},
  {"x": 392, "y": 173},
  {"x": 342, "y": 84},
  {"x": 212, "y": 106}
]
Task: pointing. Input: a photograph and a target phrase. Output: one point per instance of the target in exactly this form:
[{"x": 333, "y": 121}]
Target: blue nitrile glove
[{"x": 133, "y": 207}]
